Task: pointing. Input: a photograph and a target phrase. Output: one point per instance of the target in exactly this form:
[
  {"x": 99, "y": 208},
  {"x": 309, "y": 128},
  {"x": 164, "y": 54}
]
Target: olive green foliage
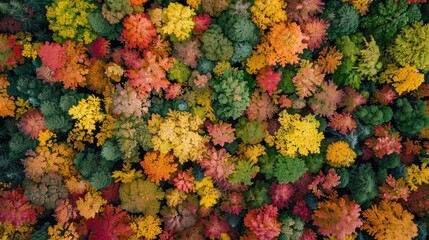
[
  {"x": 179, "y": 72},
  {"x": 141, "y": 196},
  {"x": 292, "y": 227},
  {"x": 390, "y": 161},
  {"x": 342, "y": 17},
  {"x": 287, "y": 169},
  {"x": 411, "y": 47},
  {"x": 102, "y": 27},
  {"x": 48, "y": 192},
  {"x": 250, "y": 132},
  {"x": 374, "y": 114},
  {"x": 53, "y": 100},
  {"x": 243, "y": 173},
  {"x": 94, "y": 168},
  {"x": 266, "y": 162},
  {"x": 347, "y": 73},
  {"x": 114, "y": 10},
  {"x": 286, "y": 84},
  {"x": 132, "y": 134},
  {"x": 410, "y": 116},
  {"x": 35, "y": 23},
  {"x": 19, "y": 144},
  {"x": 231, "y": 95},
  {"x": 239, "y": 28},
  {"x": 386, "y": 18},
  {"x": 205, "y": 66},
  {"x": 362, "y": 183},
  {"x": 257, "y": 194},
  {"x": 314, "y": 162},
  {"x": 369, "y": 61},
  {"x": 215, "y": 45}
]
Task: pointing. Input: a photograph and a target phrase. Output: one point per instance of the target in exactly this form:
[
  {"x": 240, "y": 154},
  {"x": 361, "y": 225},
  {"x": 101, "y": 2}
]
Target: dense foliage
[{"x": 214, "y": 119}]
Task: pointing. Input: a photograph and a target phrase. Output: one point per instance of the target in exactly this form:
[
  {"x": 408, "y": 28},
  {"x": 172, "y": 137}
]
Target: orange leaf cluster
[
  {"x": 91, "y": 204},
  {"x": 65, "y": 211},
  {"x": 158, "y": 166},
  {"x": 138, "y": 31},
  {"x": 67, "y": 63},
  {"x": 136, "y": 3},
  {"x": 152, "y": 74},
  {"x": 7, "y": 104},
  {"x": 394, "y": 189},
  {"x": 329, "y": 59},
  {"x": 388, "y": 220},
  {"x": 97, "y": 80},
  {"x": 282, "y": 45},
  {"x": 285, "y": 44},
  {"x": 56, "y": 158},
  {"x": 337, "y": 217}
]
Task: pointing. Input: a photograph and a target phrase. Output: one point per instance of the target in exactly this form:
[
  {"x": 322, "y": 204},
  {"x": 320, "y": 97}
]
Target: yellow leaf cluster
[
  {"x": 178, "y": 132},
  {"x": 7, "y": 105},
  {"x": 30, "y": 47},
  {"x": 269, "y": 139},
  {"x": 46, "y": 138},
  {"x": 298, "y": 135},
  {"x": 360, "y": 5},
  {"x": 220, "y": 67},
  {"x": 388, "y": 220},
  {"x": 267, "y": 13},
  {"x": 257, "y": 60},
  {"x": 88, "y": 114},
  {"x": 204, "y": 99},
  {"x": 177, "y": 21},
  {"x": 201, "y": 103},
  {"x": 29, "y": 50},
  {"x": 4, "y": 186},
  {"x": 66, "y": 231},
  {"x": 23, "y": 37},
  {"x": 404, "y": 79},
  {"x": 174, "y": 197},
  {"x": 91, "y": 204},
  {"x": 194, "y": 3},
  {"x": 352, "y": 236},
  {"x": 417, "y": 176},
  {"x": 106, "y": 129},
  {"x": 22, "y": 106},
  {"x": 340, "y": 154},
  {"x": 114, "y": 71},
  {"x": 127, "y": 175},
  {"x": 147, "y": 227},
  {"x": 225, "y": 236},
  {"x": 209, "y": 195},
  {"x": 8, "y": 231},
  {"x": 68, "y": 19},
  {"x": 251, "y": 153}
]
